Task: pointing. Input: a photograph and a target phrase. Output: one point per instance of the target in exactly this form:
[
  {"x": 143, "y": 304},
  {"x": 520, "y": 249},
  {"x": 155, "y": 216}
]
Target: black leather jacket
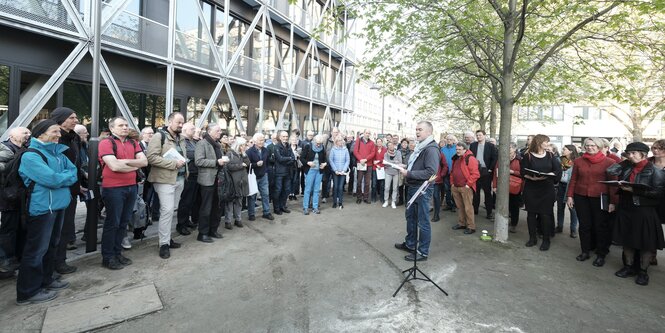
[{"x": 650, "y": 175}]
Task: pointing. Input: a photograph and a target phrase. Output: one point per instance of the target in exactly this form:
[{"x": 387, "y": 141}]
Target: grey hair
[
  {"x": 463, "y": 145},
  {"x": 239, "y": 141},
  {"x": 258, "y": 135},
  {"x": 319, "y": 138}
]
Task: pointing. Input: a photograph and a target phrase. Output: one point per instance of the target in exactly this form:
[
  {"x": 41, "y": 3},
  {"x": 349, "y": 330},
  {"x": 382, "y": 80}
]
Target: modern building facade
[
  {"x": 393, "y": 114},
  {"x": 251, "y": 65},
  {"x": 572, "y": 123}
]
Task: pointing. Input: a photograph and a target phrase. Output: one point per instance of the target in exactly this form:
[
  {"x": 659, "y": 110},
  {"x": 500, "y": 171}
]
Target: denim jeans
[
  {"x": 262, "y": 183},
  {"x": 312, "y": 184},
  {"x": 119, "y": 203},
  {"x": 38, "y": 262},
  {"x": 417, "y": 217},
  {"x": 561, "y": 209},
  {"x": 338, "y": 188},
  {"x": 282, "y": 190}
]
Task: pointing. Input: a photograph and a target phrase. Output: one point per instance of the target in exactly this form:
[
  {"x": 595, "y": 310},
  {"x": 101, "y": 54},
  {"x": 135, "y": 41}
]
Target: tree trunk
[
  {"x": 506, "y": 103},
  {"x": 483, "y": 124}
]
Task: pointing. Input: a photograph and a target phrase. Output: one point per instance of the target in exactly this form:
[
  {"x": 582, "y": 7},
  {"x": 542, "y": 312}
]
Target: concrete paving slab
[{"x": 103, "y": 310}]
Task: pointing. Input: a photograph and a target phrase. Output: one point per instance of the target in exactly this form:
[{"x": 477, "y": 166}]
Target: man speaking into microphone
[{"x": 423, "y": 164}]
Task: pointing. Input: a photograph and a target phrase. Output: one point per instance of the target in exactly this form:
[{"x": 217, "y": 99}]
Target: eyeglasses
[{"x": 590, "y": 146}]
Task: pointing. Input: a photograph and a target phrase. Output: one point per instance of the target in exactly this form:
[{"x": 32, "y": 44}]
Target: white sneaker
[
  {"x": 385, "y": 204},
  {"x": 126, "y": 244},
  {"x": 393, "y": 205}
]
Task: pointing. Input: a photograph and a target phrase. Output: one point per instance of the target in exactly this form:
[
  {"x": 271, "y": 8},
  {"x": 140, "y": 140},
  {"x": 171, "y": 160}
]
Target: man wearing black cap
[{"x": 67, "y": 119}]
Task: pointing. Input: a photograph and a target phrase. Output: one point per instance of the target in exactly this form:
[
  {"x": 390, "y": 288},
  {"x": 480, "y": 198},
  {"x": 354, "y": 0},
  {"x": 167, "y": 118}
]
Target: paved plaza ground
[{"x": 336, "y": 272}]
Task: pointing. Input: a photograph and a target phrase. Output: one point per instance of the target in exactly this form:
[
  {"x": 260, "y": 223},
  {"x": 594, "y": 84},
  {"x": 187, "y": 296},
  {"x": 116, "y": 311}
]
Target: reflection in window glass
[
  {"x": 4, "y": 98},
  {"x": 78, "y": 97}
]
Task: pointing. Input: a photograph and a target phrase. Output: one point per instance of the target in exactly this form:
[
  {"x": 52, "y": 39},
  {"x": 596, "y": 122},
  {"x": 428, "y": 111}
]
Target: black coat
[
  {"x": 284, "y": 159},
  {"x": 490, "y": 155},
  {"x": 73, "y": 141},
  {"x": 308, "y": 155},
  {"x": 650, "y": 175}
]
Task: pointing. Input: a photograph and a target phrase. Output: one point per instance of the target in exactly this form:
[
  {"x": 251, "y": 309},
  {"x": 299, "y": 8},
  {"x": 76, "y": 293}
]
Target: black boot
[
  {"x": 533, "y": 241},
  {"x": 625, "y": 272},
  {"x": 546, "y": 244},
  {"x": 642, "y": 277}
]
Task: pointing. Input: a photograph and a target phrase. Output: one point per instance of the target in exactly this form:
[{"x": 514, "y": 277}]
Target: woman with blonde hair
[{"x": 237, "y": 166}]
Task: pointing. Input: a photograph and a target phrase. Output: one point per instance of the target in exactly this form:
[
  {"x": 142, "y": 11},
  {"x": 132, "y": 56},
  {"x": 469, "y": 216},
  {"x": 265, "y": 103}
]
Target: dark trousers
[
  {"x": 539, "y": 221},
  {"x": 295, "y": 182},
  {"x": 211, "y": 213},
  {"x": 514, "y": 203},
  {"x": 302, "y": 181},
  {"x": 436, "y": 199},
  {"x": 363, "y": 193},
  {"x": 38, "y": 263},
  {"x": 377, "y": 187},
  {"x": 119, "y": 203},
  {"x": 282, "y": 189},
  {"x": 190, "y": 201},
  {"x": 68, "y": 234},
  {"x": 325, "y": 184},
  {"x": 152, "y": 200},
  {"x": 594, "y": 228},
  {"x": 400, "y": 198},
  {"x": 484, "y": 184},
  {"x": 447, "y": 194},
  {"x": 12, "y": 237}
]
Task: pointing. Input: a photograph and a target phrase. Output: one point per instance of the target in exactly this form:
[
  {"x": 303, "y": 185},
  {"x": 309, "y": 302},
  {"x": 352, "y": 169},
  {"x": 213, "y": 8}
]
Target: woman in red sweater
[
  {"x": 515, "y": 197},
  {"x": 377, "y": 166},
  {"x": 584, "y": 193}
]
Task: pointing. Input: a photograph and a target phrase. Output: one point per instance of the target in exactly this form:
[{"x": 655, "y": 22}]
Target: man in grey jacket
[
  {"x": 209, "y": 159},
  {"x": 421, "y": 166},
  {"x": 168, "y": 177}
]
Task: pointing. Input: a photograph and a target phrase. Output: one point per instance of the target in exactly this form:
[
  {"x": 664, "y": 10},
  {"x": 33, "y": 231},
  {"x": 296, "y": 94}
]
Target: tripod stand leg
[
  {"x": 430, "y": 280},
  {"x": 407, "y": 278}
]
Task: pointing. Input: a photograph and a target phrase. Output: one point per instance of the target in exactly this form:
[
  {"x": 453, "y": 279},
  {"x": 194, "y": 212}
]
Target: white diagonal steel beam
[{"x": 50, "y": 87}]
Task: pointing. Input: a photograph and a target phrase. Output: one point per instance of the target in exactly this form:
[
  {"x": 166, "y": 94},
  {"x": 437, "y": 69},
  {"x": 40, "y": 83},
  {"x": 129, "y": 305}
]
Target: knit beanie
[
  {"x": 59, "y": 115},
  {"x": 41, "y": 127}
]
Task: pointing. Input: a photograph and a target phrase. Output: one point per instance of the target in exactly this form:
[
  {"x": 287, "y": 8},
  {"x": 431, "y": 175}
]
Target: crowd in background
[{"x": 199, "y": 177}]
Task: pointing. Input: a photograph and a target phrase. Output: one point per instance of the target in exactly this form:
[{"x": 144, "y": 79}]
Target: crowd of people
[{"x": 199, "y": 177}]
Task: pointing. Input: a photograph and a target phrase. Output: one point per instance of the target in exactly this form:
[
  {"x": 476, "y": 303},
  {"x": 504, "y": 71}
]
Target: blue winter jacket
[
  {"x": 52, "y": 180},
  {"x": 339, "y": 159},
  {"x": 449, "y": 152}
]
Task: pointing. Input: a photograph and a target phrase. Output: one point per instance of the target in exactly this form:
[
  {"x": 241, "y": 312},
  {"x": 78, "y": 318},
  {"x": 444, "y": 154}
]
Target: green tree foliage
[{"x": 513, "y": 44}]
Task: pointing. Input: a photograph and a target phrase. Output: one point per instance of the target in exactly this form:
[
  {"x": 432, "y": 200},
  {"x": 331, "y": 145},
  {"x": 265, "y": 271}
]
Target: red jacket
[
  {"x": 379, "y": 156},
  {"x": 615, "y": 158},
  {"x": 364, "y": 151},
  {"x": 514, "y": 165},
  {"x": 585, "y": 177},
  {"x": 443, "y": 170},
  {"x": 469, "y": 170}
]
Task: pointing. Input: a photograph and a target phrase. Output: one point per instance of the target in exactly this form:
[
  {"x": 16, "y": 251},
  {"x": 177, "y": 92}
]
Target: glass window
[
  {"x": 4, "y": 98},
  {"x": 220, "y": 23},
  {"x": 77, "y": 96},
  {"x": 148, "y": 110}
]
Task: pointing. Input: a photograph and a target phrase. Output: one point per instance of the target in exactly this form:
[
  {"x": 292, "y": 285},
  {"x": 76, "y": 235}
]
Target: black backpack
[
  {"x": 226, "y": 188},
  {"x": 15, "y": 195},
  {"x": 140, "y": 174}
]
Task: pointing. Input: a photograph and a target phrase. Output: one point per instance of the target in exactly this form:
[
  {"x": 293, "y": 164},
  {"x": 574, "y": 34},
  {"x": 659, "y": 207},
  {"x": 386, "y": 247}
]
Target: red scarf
[
  {"x": 596, "y": 158},
  {"x": 637, "y": 168}
]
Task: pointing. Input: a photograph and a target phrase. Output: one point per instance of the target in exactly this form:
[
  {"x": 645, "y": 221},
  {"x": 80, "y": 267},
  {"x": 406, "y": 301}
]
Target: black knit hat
[
  {"x": 41, "y": 127},
  {"x": 637, "y": 146},
  {"x": 59, "y": 115}
]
